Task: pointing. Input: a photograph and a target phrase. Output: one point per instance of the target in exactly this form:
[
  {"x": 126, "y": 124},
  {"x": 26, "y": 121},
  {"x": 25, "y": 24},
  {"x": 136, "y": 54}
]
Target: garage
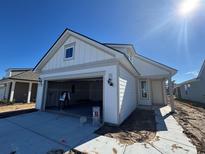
[{"x": 84, "y": 94}]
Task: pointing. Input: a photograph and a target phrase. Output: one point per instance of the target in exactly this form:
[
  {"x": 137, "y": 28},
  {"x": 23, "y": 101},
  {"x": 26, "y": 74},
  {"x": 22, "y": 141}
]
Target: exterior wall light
[
  {"x": 40, "y": 81},
  {"x": 109, "y": 81}
]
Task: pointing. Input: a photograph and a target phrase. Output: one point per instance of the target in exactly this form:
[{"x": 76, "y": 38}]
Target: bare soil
[
  {"x": 140, "y": 126},
  {"x": 16, "y": 107},
  {"x": 191, "y": 116}
]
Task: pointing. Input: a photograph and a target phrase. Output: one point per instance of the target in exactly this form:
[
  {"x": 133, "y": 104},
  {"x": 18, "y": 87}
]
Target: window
[
  {"x": 144, "y": 89},
  {"x": 68, "y": 53},
  {"x": 186, "y": 88}
]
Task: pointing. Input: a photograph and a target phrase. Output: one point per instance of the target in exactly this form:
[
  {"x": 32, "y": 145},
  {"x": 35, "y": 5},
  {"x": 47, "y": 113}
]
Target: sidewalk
[{"x": 169, "y": 139}]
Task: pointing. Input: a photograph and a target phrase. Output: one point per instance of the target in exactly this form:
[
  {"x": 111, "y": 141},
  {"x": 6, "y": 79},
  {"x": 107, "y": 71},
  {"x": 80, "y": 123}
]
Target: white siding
[
  {"x": 39, "y": 97},
  {"x": 127, "y": 94},
  {"x": 83, "y": 53},
  {"x": 196, "y": 90}
]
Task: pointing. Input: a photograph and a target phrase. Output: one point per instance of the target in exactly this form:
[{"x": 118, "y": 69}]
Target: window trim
[
  {"x": 68, "y": 46},
  {"x": 147, "y": 90}
]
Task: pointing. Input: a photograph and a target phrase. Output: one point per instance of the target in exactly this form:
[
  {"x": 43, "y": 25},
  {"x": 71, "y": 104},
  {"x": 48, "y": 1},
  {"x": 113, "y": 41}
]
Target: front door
[{"x": 157, "y": 92}]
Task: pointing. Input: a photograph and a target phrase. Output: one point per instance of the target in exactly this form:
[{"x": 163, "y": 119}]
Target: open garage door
[{"x": 84, "y": 95}]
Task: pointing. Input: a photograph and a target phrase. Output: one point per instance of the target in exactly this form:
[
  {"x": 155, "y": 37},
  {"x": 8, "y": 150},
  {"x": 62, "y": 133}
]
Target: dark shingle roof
[{"x": 27, "y": 75}]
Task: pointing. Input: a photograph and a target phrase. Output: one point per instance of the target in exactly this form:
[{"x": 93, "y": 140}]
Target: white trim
[
  {"x": 147, "y": 89},
  {"x": 12, "y": 91},
  {"x": 118, "y": 95},
  {"x": 29, "y": 92},
  {"x": 75, "y": 76},
  {"x": 108, "y": 62}
]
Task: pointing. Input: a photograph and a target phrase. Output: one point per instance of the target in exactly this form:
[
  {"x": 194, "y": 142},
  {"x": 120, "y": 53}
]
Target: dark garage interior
[{"x": 84, "y": 95}]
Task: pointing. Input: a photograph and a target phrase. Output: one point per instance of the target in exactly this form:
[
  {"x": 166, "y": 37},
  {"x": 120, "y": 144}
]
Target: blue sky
[{"x": 29, "y": 27}]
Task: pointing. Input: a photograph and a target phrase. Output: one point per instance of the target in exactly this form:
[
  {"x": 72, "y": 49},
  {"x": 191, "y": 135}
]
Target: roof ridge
[{"x": 118, "y": 44}]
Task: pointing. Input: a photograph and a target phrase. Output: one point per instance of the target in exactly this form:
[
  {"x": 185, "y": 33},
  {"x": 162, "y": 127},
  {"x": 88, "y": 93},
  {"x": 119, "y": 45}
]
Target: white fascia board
[{"x": 95, "y": 44}]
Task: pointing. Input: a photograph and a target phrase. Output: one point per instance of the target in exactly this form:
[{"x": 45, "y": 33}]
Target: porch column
[
  {"x": 171, "y": 97},
  {"x": 29, "y": 92},
  {"x": 12, "y": 91}
]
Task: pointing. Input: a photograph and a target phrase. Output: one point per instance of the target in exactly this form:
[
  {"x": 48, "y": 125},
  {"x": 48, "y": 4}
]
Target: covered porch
[
  {"x": 154, "y": 92},
  {"x": 18, "y": 90}
]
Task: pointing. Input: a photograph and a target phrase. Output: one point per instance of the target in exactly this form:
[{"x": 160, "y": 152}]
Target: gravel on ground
[{"x": 191, "y": 116}]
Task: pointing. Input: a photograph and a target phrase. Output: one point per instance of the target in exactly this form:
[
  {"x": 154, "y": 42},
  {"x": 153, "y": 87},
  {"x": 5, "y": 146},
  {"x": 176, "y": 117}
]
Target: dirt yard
[
  {"x": 16, "y": 107},
  {"x": 140, "y": 126},
  {"x": 192, "y": 118}
]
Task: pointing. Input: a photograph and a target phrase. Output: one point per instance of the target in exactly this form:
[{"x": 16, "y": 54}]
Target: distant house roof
[
  {"x": 187, "y": 82},
  {"x": 18, "y": 69},
  {"x": 194, "y": 79},
  {"x": 26, "y": 75}
]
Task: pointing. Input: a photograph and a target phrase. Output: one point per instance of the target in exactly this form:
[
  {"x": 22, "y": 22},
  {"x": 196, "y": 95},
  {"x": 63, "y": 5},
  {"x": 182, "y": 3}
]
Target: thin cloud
[{"x": 193, "y": 73}]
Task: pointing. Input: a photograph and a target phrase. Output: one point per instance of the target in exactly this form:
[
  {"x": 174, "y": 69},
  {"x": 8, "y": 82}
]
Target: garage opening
[{"x": 84, "y": 94}]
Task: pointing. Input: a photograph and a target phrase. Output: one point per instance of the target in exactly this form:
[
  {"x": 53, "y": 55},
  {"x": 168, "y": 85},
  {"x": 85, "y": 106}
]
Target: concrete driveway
[{"x": 39, "y": 132}]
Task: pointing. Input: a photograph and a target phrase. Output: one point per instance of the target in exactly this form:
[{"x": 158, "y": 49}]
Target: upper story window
[{"x": 69, "y": 51}]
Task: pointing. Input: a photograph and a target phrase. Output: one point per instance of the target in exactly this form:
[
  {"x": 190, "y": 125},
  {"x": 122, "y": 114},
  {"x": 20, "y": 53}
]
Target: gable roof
[
  {"x": 201, "y": 70},
  {"x": 171, "y": 70},
  {"x": 121, "y": 45},
  {"x": 187, "y": 82},
  {"x": 69, "y": 31},
  {"x": 107, "y": 46}
]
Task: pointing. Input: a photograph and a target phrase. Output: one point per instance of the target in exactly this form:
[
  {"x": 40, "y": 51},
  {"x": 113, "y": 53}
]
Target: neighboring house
[
  {"x": 193, "y": 89},
  {"x": 112, "y": 76},
  {"x": 19, "y": 85}
]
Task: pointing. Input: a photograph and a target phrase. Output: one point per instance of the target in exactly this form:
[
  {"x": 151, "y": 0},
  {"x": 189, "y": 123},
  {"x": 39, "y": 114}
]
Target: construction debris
[{"x": 140, "y": 126}]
